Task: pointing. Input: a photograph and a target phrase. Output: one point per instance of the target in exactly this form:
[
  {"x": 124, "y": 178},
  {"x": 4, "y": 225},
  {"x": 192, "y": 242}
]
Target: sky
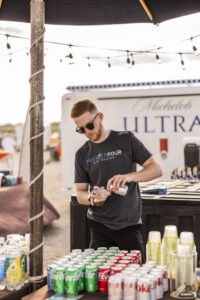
[{"x": 172, "y": 36}]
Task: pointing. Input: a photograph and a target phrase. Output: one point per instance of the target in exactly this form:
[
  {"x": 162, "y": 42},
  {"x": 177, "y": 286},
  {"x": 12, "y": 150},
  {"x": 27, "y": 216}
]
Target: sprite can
[
  {"x": 91, "y": 278},
  {"x": 59, "y": 280},
  {"x": 72, "y": 281},
  {"x": 81, "y": 281}
]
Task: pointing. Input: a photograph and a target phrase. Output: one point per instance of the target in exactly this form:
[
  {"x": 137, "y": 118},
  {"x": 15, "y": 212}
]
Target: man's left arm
[{"x": 151, "y": 170}]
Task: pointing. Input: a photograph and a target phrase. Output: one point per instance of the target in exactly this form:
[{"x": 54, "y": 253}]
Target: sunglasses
[{"x": 89, "y": 126}]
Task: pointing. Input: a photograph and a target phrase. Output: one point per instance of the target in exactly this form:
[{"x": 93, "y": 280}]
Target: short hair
[{"x": 81, "y": 106}]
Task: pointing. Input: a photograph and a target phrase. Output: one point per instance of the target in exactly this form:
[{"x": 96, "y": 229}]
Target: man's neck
[{"x": 104, "y": 135}]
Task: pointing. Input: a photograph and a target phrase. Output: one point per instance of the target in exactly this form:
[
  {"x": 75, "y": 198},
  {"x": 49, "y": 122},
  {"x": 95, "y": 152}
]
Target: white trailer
[{"x": 160, "y": 114}]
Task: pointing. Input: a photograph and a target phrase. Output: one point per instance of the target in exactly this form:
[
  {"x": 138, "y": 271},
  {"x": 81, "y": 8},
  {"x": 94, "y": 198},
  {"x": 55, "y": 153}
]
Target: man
[{"x": 108, "y": 159}]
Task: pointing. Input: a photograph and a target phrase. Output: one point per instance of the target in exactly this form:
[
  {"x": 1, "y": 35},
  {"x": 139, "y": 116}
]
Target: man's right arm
[{"x": 82, "y": 193}]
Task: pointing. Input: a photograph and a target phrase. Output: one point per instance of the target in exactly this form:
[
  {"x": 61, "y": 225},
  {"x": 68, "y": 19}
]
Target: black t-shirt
[{"x": 96, "y": 163}]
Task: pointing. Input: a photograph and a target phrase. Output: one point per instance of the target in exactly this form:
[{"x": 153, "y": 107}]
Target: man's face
[{"x": 86, "y": 118}]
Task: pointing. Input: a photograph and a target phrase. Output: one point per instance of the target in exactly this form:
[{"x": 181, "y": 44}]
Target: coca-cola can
[
  {"x": 123, "y": 251},
  {"x": 152, "y": 278},
  {"x": 103, "y": 276},
  {"x": 114, "y": 288},
  {"x": 165, "y": 277},
  {"x": 143, "y": 289},
  {"x": 138, "y": 256},
  {"x": 129, "y": 288},
  {"x": 123, "y": 266},
  {"x": 124, "y": 261},
  {"x": 115, "y": 270},
  {"x": 159, "y": 283}
]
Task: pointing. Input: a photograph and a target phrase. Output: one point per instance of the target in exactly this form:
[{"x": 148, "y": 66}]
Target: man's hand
[
  {"x": 118, "y": 181},
  {"x": 98, "y": 196}
]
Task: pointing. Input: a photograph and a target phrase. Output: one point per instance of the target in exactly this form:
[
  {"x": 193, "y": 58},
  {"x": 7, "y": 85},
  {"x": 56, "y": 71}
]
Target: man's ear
[{"x": 101, "y": 116}]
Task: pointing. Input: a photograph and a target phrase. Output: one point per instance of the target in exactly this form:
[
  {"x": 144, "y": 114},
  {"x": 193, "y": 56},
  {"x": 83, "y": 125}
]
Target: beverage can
[
  {"x": 159, "y": 283},
  {"x": 59, "y": 279},
  {"x": 103, "y": 276},
  {"x": 81, "y": 281},
  {"x": 50, "y": 279},
  {"x": 144, "y": 289},
  {"x": 72, "y": 281},
  {"x": 91, "y": 278},
  {"x": 116, "y": 269},
  {"x": 129, "y": 287},
  {"x": 122, "y": 191},
  {"x": 152, "y": 278},
  {"x": 114, "y": 288},
  {"x": 165, "y": 277}
]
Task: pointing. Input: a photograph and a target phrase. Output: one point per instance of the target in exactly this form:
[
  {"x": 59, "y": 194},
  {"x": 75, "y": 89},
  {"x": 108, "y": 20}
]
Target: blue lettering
[
  {"x": 176, "y": 124},
  {"x": 162, "y": 118},
  {"x": 135, "y": 125},
  {"x": 195, "y": 123},
  {"x": 146, "y": 126}
]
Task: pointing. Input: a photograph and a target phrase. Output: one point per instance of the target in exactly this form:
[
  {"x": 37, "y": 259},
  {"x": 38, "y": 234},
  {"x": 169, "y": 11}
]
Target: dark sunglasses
[{"x": 89, "y": 126}]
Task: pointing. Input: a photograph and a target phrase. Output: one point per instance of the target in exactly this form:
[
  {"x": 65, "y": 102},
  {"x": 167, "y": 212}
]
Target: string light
[
  {"x": 158, "y": 58},
  {"x": 109, "y": 64},
  {"x": 8, "y": 46},
  {"x": 182, "y": 62},
  {"x": 194, "y": 48},
  {"x": 128, "y": 58},
  {"x": 89, "y": 65}
]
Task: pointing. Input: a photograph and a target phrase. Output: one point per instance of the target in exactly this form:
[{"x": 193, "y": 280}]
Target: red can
[
  {"x": 103, "y": 276},
  {"x": 137, "y": 256}
]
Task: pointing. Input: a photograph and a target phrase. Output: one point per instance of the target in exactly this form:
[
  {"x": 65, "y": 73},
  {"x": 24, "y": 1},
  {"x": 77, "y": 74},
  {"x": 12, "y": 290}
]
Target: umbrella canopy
[{"x": 98, "y": 12}]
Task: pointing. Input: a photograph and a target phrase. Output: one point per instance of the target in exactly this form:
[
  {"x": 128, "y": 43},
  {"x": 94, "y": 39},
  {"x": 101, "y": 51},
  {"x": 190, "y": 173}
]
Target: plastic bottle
[
  {"x": 13, "y": 268},
  {"x": 2, "y": 268}
]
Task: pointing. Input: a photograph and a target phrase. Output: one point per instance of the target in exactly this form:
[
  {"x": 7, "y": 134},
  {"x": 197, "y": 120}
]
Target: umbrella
[{"x": 97, "y": 12}]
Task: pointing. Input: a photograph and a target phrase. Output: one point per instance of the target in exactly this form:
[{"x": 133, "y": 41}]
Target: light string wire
[{"x": 36, "y": 279}]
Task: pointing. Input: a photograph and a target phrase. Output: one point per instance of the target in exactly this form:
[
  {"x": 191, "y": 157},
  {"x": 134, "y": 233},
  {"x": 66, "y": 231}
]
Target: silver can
[
  {"x": 114, "y": 288},
  {"x": 152, "y": 278},
  {"x": 159, "y": 283},
  {"x": 165, "y": 277},
  {"x": 144, "y": 289},
  {"x": 122, "y": 191},
  {"x": 129, "y": 285}
]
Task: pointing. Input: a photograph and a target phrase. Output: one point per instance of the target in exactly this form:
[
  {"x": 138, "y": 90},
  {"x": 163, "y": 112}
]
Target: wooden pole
[{"x": 36, "y": 144}]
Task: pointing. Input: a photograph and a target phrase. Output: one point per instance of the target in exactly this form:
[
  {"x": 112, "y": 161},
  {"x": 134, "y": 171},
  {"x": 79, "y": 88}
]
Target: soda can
[
  {"x": 138, "y": 256},
  {"x": 124, "y": 261},
  {"x": 122, "y": 191},
  {"x": 89, "y": 250},
  {"x": 143, "y": 289},
  {"x": 116, "y": 249},
  {"x": 116, "y": 269},
  {"x": 72, "y": 281},
  {"x": 165, "y": 277},
  {"x": 59, "y": 280},
  {"x": 159, "y": 283},
  {"x": 76, "y": 251},
  {"x": 129, "y": 287},
  {"x": 81, "y": 280},
  {"x": 114, "y": 288},
  {"x": 152, "y": 278},
  {"x": 91, "y": 278},
  {"x": 123, "y": 266},
  {"x": 125, "y": 252},
  {"x": 50, "y": 276},
  {"x": 102, "y": 248},
  {"x": 103, "y": 276},
  {"x": 151, "y": 263}
]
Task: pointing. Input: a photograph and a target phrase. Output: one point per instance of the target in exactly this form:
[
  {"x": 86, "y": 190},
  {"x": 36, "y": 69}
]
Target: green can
[
  {"x": 91, "y": 279},
  {"x": 81, "y": 281},
  {"x": 72, "y": 281},
  {"x": 59, "y": 280}
]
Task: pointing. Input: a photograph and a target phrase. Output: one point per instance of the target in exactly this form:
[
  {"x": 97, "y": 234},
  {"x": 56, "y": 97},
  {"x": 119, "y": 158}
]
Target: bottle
[
  {"x": 13, "y": 268},
  {"x": 2, "y": 268}
]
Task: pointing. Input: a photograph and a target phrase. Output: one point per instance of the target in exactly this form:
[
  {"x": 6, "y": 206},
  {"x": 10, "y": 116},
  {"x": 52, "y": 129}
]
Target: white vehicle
[{"x": 160, "y": 114}]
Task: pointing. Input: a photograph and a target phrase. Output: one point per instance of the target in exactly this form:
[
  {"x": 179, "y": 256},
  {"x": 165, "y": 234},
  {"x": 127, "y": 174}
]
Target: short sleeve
[
  {"x": 81, "y": 175},
  {"x": 139, "y": 152}
]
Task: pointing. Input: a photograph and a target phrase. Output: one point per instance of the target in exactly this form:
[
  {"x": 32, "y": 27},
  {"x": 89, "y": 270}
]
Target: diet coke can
[
  {"x": 165, "y": 277},
  {"x": 103, "y": 276},
  {"x": 129, "y": 286},
  {"x": 115, "y": 270},
  {"x": 159, "y": 283},
  {"x": 114, "y": 288},
  {"x": 153, "y": 285},
  {"x": 143, "y": 289}
]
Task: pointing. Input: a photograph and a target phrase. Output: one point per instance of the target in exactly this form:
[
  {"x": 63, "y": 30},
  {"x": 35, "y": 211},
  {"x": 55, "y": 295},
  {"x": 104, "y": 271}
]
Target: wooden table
[{"x": 43, "y": 294}]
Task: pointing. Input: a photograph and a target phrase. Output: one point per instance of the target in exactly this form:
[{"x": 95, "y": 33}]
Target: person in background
[
  {"x": 9, "y": 145},
  {"x": 108, "y": 159}
]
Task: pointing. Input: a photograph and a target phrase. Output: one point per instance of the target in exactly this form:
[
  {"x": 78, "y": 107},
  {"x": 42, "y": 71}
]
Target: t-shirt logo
[{"x": 104, "y": 156}]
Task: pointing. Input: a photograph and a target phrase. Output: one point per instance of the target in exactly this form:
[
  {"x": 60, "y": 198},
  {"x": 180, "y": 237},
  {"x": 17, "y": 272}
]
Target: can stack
[{"x": 117, "y": 272}]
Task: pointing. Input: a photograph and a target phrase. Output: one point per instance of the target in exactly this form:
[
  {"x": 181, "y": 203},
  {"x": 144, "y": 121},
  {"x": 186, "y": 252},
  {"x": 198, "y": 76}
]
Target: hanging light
[
  {"x": 109, "y": 64},
  {"x": 132, "y": 59},
  {"x": 182, "y": 62},
  {"x": 158, "y": 58},
  {"x": 128, "y": 58},
  {"x": 89, "y": 65},
  {"x": 194, "y": 48},
  {"x": 8, "y": 46}
]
